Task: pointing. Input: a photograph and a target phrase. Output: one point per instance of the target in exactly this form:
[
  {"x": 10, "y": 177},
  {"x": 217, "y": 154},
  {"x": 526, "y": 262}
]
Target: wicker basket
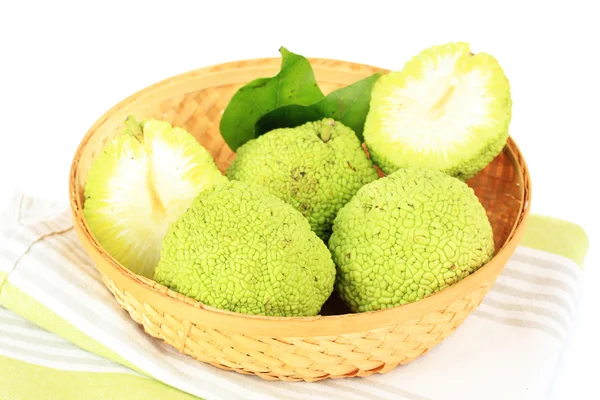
[{"x": 336, "y": 344}]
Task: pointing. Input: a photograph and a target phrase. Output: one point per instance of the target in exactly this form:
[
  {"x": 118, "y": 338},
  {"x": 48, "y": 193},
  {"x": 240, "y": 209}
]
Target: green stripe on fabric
[
  {"x": 27, "y": 307},
  {"x": 556, "y": 236},
  {"x": 23, "y": 381},
  {"x": 543, "y": 233}
]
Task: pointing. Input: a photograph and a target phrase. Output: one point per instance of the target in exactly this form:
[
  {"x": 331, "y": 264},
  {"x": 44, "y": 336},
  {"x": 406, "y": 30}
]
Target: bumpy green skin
[
  {"x": 406, "y": 236},
  {"x": 241, "y": 249},
  {"x": 316, "y": 176},
  {"x": 471, "y": 166},
  {"x": 464, "y": 170}
]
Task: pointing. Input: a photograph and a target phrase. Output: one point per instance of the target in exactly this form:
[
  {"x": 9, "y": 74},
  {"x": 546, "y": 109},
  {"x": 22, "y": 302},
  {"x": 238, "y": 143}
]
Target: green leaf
[
  {"x": 294, "y": 84},
  {"x": 349, "y": 105},
  {"x": 286, "y": 117}
]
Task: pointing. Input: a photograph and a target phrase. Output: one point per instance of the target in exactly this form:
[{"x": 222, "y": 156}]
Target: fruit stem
[
  {"x": 135, "y": 128},
  {"x": 326, "y": 129}
]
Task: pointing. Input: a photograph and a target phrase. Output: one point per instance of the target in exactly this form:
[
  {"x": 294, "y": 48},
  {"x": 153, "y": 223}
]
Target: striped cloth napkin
[{"x": 62, "y": 336}]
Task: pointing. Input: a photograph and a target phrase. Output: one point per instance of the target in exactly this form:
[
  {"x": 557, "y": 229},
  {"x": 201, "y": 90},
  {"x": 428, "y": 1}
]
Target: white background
[{"x": 63, "y": 64}]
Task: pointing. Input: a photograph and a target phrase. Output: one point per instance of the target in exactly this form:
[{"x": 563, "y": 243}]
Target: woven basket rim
[{"x": 195, "y": 312}]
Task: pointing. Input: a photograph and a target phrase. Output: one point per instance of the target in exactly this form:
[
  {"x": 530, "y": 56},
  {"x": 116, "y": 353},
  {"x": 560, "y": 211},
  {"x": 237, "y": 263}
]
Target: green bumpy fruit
[
  {"x": 239, "y": 248},
  {"x": 406, "y": 236},
  {"x": 141, "y": 182},
  {"x": 316, "y": 167},
  {"x": 447, "y": 109}
]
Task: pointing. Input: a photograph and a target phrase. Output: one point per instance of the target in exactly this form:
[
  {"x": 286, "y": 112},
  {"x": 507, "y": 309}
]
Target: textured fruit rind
[
  {"x": 239, "y": 248},
  {"x": 406, "y": 236},
  {"x": 462, "y": 160},
  {"x": 141, "y": 182},
  {"x": 317, "y": 177}
]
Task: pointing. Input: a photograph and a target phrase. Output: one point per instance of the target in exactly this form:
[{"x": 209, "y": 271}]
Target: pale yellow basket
[{"x": 337, "y": 344}]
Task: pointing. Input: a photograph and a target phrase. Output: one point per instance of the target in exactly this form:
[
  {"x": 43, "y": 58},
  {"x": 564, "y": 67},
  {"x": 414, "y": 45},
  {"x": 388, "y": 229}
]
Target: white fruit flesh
[
  {"x": 138, "y": 187},
  {"x": 436, "y": 112},
  {"x": 448, "y": 109}
]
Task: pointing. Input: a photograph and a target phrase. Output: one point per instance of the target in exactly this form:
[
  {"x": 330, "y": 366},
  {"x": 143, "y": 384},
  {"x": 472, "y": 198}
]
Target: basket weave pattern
[
  {"x": 292, "y": 358},
  {"x": 293, "y": 349}
]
